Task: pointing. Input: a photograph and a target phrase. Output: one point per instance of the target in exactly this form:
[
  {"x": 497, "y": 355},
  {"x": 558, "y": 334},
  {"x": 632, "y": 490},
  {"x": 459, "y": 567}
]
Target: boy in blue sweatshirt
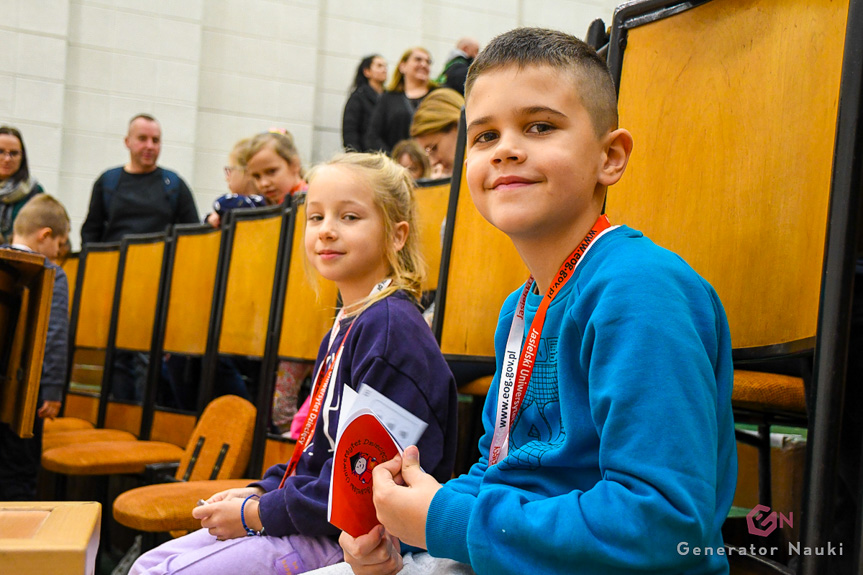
[{"x": 609, "y": 444}]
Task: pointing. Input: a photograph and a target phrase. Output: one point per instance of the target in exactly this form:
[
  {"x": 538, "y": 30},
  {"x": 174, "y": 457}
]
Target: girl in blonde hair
[
  {"x": 358, "y": 234},
  {"x": 273, "y": 163}
]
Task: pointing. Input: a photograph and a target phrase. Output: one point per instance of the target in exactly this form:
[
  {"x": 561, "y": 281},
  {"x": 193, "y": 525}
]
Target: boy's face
[
  {"x": 50, "y": 245},
  {"x": 533, "y": 159}
]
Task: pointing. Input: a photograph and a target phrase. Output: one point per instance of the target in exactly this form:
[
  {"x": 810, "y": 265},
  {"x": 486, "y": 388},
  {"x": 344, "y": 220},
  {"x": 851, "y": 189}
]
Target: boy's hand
[
  {"x": 403, "y": 509},
  {"x": 375, "y": 553},
  {"x": 49, "y": 409}
]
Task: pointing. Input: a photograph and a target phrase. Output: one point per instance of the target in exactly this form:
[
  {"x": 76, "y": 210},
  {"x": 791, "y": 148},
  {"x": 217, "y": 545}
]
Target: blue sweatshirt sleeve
[{"x": 655, "y": 353}]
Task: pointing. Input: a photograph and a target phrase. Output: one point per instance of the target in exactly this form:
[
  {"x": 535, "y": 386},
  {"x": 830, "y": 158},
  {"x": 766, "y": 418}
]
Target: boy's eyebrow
[{"x": 526, "y": 111}]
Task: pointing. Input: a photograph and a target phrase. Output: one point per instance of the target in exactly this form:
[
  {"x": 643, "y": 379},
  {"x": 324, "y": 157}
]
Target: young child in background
[
  {"x": 609, "y": 437},
  {"x": 410, "y": 155},
  {"x": 359, "y": 234},
  {"x": 42, "y": 227},
  {"x": 273, "y": 163},
  {"x": 242, "y": 188}
]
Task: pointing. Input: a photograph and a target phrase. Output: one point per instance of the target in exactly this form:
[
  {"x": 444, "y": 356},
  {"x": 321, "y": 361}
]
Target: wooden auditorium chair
[
  {"x": 299, "y": 321},
  {"x": 182, "y": 327},
  {"x": 734, "y": 148},
  {"x": 89, "y": 324},
  {"x": 133, "y": 315}
]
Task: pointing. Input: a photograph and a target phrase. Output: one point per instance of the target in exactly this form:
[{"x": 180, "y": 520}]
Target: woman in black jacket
[
  {"x": 366, "y": 90},
  {"x": 391, "y": 120}
]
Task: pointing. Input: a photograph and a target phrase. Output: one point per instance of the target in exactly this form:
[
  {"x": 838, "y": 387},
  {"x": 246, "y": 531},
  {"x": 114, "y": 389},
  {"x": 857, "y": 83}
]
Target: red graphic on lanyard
[{"x": 514, "y": 382}]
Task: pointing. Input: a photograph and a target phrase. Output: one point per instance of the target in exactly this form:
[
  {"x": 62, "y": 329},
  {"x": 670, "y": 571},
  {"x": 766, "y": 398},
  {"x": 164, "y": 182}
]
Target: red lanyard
[
  {"x": 515, "y": 377},
  {"x": 320, "y": 390},
  {"x": 322, "y": 381}
]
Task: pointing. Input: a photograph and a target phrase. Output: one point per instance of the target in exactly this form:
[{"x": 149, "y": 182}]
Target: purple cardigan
[{"x": 391, "y": 349}]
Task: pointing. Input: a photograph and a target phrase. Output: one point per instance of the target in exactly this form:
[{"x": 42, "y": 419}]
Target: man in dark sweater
[{"x": 139, "y": 197}]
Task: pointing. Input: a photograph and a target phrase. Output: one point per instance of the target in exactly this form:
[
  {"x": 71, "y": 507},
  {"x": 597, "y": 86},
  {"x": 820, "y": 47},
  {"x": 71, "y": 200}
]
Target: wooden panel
[
  {"x": 70, "y": 266},
  {"x": 57, "y": 538},
  {"x": 191, "y": 296},
  {"x": 27, "y": 290},
  {"x": 173, "y": 428},
  {"x": 484, "y": 269},
  {"x": 277, "y": 451},
  {"x": 251, "y": 277},
  {"x": 97, "y": 295},
  {"x": 82, "y": 406},
  {"x": 139, "y": 295},
  {"x": 123, "y": 416},
  {"x": 733, "y": 107},
  {"x": 308, "y": 313},
  {"x": 431, "y": 205},
  {"x": 87, "y": 368}
]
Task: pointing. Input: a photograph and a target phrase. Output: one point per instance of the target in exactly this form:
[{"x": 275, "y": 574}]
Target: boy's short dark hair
[
  {"x": 43, "y": 211},
  {"x": 525, "y": 47}
]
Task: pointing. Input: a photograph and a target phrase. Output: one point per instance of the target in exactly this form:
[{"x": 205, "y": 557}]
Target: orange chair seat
[
  {"x": 109, "y": 457},
  {"x": 760, "y": 391},
  {"x": 168, "y": 506},
  {"x": 65, "y": 424},
  {"x": 477, "y": 386},
  {"x": 76, "y": 437}
]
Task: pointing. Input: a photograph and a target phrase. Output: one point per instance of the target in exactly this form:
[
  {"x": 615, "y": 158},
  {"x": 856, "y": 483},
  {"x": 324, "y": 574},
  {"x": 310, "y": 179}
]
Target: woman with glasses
[
  {"x": 16, "y": 185},
  {"x": 435, "y": 129}
]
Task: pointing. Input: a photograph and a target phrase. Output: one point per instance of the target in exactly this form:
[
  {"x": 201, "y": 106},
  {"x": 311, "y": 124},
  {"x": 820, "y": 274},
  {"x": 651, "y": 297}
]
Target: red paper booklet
[
  {"x": 366, "y": 438},
  {"x": 363, "y": 444}
]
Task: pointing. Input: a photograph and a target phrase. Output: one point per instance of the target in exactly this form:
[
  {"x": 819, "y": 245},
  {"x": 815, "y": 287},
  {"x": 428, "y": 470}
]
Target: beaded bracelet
[{"x": 249, "y": 531}]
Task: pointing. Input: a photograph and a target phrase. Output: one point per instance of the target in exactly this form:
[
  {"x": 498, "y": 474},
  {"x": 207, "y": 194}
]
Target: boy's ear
[
  {"x": 44, "y": 233},
  {"x": 400, "y": 235},
  {"x": 618, "y": 146}
]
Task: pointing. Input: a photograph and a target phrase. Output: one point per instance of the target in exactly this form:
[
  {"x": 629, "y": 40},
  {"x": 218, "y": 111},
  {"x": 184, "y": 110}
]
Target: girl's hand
[
  {"x": 214, "y": 220},
  {"x": 403, "y": 509},
  {"x": 375, "y": 553},
  {"x": 235, "y": 493},
  {"x": 223, "y": 518}
]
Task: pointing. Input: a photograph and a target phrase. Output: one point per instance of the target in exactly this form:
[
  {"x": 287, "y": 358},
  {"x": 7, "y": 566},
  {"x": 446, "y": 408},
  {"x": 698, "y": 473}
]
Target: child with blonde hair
[
  {"x": 358, "y": 234},
  {"x": 273, "y": 163}
]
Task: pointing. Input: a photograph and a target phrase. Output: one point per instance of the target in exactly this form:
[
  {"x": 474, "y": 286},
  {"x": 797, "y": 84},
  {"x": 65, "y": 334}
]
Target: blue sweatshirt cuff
[{"x": 446, "y": 524}]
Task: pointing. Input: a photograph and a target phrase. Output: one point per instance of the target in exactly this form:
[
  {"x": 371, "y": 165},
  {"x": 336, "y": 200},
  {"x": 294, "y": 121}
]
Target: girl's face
[
  {"x": 274, "y": 176},
  {"x": 345, "y": 236},
  {"x": 417, "y": 66},
  {"x": 10, "y": 156},
  {"x": 377, "y": 71}
]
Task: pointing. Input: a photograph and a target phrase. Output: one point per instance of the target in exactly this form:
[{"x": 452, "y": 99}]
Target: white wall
[{"x": 72, "y": 73}]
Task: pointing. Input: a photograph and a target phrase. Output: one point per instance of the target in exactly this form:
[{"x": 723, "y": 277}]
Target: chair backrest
[
  {"x": 723, "y": 172},
  {"x": 479, "y": 269},
  {"x": 432, "y": 200},
  {"x": 70, "y": 266},
  {"x": 133, "y": 316},
  {"x": 183, "y": 322},
  {"x": 246, "y": 288},
  {"x": 192, "y": 279},
  {"x": 89, "y": 325},
  {"x": 221, "y": 443}
]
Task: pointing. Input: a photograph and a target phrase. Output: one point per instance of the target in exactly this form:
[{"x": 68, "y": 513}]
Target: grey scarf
[{"x": 10, "y": 194}]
